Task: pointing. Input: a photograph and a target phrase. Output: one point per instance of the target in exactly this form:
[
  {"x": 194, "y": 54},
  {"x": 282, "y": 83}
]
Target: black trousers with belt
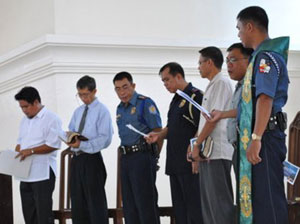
[
  {"x": 88, "y": 198},
  {"x": 138, "y": 175},
  {"x": 36, "y": 198}
]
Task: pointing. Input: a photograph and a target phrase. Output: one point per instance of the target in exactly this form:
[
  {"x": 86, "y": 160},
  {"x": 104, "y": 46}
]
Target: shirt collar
[
  {"x": 132, "y": 101},
  {"x": 217, "y": 77},
  {"x": 258, "y": 47},
  {"x": 92, "y": 104},
  {"x": 239, "y": 84},
  {"x": 41, "y": 112},
  {"x": 188, "y": 88}
]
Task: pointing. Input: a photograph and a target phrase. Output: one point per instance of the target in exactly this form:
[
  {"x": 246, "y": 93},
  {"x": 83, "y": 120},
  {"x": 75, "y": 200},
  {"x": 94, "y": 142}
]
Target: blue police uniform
[
  {"x": 183, "y": 121},
  {"x": 269, "y": 201},
  {"x": 138, "y": 160}
]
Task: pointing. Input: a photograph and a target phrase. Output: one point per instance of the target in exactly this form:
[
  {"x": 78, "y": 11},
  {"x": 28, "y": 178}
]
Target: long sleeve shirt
[{"x": 98, "y": 127}]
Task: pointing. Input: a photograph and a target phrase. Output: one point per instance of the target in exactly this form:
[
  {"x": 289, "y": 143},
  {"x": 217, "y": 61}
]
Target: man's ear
[
  {"x": 209, "y": 61},
  {"x": 178, "y": 76},
  {"x": 35, "y": 102},
  {"x": 249, "y": 26},
  {"x": 133, "y": 86}
]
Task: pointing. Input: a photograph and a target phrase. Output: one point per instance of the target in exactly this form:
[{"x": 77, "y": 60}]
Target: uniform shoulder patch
[
  {"x": 264, "y": 66},
  {"x": 152, "y": 109}
]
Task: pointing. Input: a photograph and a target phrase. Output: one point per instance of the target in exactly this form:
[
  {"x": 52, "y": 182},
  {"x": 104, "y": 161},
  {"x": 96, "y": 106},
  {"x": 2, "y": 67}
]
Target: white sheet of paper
[
  {"x": 290, "y": 172},
  {"x": 188, "y": 98},
  {"x": 12, "y": 166},
  {"x": 135, "y": 130},
  {"x": 192, "y": 140}
]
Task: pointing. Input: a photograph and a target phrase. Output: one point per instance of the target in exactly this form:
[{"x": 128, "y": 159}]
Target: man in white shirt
[
  {"x": 215, "y": 180},
  {"x": 38, "y": 140}
]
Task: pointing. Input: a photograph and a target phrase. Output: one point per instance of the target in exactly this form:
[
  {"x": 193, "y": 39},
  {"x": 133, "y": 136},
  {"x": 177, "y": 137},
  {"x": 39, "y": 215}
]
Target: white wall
[
  {"x": 24, "y": 20},
  {"x": 187, "y": 22},
  {"x": 191, "y": 22}
]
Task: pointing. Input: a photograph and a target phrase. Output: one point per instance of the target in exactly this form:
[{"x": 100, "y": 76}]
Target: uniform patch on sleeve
[
  {"x": 152, "y": 109},
  {"x": 118, "y": 116},
  {"x": 264, "y": 66}
]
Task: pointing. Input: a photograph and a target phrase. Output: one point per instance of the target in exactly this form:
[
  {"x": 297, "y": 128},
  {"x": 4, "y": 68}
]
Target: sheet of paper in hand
[
  {"x": 12, "y": 166},
  {"x": 135, "y": 130},
  {"x": 290, "y": 172}
]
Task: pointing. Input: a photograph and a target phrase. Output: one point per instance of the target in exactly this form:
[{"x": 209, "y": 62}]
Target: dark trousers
[
  {"x": 186, "y": 198},
  {"x": 88, "y": 199},
  {"x": 269, "y": 201},
  {"x": 138, "y": 175},
  {"x": 36, "y": 198},
  {"x": 216, "y": 192}
]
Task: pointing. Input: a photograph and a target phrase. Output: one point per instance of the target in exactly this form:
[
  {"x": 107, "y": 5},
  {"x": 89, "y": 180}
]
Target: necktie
[
  {"x": 238, "y": 85},
  {"x": 82, "y": 121}
]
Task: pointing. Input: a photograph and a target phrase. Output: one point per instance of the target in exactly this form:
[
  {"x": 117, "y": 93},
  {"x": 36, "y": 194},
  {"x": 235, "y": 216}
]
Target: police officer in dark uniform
[
  {"x": 183, "y": 121},
  {"x": 267, "y": 150},
  {"x": 139, "y": 159}
]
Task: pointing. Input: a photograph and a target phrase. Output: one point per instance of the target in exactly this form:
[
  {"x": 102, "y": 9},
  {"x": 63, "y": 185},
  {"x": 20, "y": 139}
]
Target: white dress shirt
[
  {"x": 217, "y": 96},
  {"x": 36, "y": 132}
]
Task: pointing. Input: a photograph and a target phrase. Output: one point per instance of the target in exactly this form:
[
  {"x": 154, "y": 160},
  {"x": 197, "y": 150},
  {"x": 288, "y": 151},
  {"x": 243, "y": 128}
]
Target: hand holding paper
[
  {"x": 188, "y": 98},
  {"x": 135, "y": 130},
  {"x": 10, "y": 165}
]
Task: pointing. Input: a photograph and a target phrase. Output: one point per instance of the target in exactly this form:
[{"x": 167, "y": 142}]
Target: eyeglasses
[
  {"x": 233, "y": 60},
  {"x": 84, "y": 95}
]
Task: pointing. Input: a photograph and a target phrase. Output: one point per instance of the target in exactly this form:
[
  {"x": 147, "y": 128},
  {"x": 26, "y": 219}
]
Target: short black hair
[
  {"x": 174, "y": 69},
  {"x": 86, "y": 82},
  {"x": 213, "y": 53},
  {"x": 255, "y": 14},
  {"x": 123, "y": 75},
  {"x": 29, "y": 94},
  {"x": 245, "y": 51}
]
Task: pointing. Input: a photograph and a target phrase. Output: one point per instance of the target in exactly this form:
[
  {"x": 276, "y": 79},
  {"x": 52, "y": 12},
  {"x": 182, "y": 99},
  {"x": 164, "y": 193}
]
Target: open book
[{"x": 69, "y": 136}]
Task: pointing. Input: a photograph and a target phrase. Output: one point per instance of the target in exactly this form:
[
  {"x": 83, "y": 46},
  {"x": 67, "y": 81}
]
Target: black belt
[
  {"x": 142, "y": 147},
  {"x": 79, "y": 153}
]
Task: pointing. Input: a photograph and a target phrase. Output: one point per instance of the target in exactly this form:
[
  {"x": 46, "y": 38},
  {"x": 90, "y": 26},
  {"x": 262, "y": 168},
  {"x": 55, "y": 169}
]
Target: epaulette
[
  {"x": 269, "y": 54},
  {"x": 141, "y": 97},
  {"x": 194, "y": 90}
]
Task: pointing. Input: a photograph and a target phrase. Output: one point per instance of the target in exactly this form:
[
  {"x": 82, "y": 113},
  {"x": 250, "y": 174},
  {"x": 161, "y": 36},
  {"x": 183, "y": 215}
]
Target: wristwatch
[{"x": 255, "y": 137}]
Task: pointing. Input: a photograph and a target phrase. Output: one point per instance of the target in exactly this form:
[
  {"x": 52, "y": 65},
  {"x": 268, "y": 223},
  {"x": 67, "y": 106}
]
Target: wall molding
[{"x": 56, "y": 54}]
